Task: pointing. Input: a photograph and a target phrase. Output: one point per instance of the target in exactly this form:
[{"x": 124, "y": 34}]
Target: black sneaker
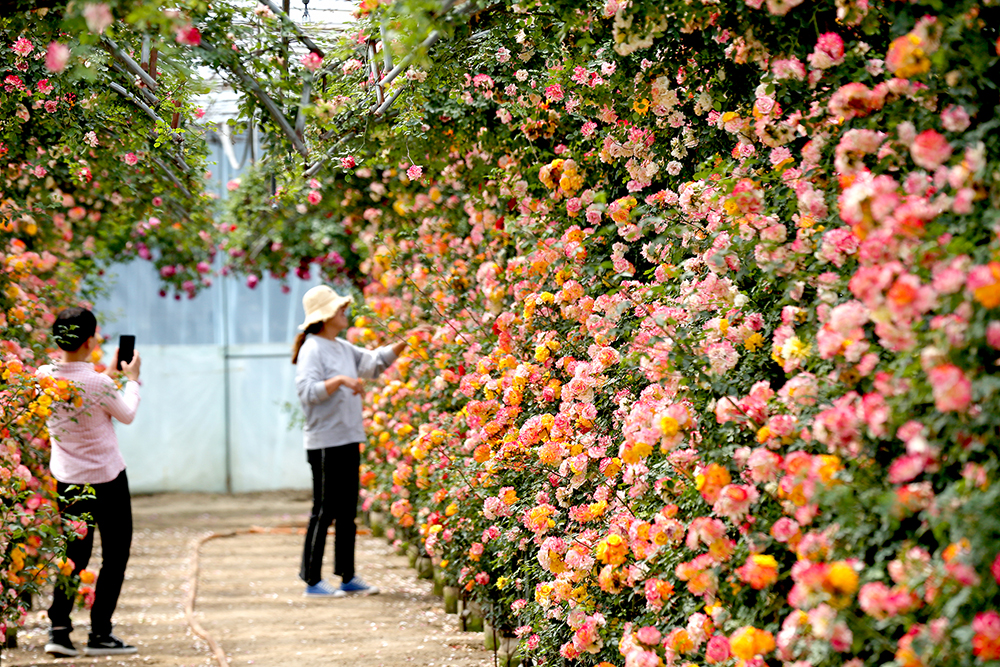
[
  {"x": 107, "y": 645},
  {"x": 60, "y": 645}
]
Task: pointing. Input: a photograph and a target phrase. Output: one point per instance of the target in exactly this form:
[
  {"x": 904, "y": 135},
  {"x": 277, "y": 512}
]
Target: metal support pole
[
  {"x": 134, "y": 100},
  {"x": 272, "y": 109},
  {"x": 226, "y": 380},
  {"x": 132, "y": 65},
  {"x": 382, "y": 108},
  {"x": 373, "y": 65},
  {"x": 405, "y": 62},
  {"x": 300, "y": 120},
  {"x": 386, "y": 51},
  {"x": 148, "y": 96}
]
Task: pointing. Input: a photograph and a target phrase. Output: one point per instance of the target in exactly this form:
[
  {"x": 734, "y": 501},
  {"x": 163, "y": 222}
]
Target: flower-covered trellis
[{"x": 715, "y": 284}]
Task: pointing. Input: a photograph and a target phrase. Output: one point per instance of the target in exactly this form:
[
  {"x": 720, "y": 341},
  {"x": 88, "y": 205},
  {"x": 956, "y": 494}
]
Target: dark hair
[
  {"x": 73, "y": 327},
  {"x": 313, "y": 328}
]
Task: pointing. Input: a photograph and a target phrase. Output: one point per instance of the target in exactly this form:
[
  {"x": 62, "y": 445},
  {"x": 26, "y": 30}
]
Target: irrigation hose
[
  {"x": 196, "y": 544},
  {"x": 196, "y": 627}
]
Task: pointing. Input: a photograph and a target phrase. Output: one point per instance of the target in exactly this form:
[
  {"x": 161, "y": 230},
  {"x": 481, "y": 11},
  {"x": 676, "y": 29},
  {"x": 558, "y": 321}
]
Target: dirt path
[{"x": 249, "y": 597}]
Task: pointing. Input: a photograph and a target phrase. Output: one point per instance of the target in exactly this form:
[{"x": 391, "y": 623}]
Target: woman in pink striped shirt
[{"x": 85, "y": 452}]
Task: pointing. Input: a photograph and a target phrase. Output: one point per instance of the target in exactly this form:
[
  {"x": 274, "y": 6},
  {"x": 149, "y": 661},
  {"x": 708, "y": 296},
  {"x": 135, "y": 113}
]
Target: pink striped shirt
[{"x": 84, "y": 444}]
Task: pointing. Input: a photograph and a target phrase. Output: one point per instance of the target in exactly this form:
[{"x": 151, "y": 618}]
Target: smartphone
[{"x": 126, "y": 349}]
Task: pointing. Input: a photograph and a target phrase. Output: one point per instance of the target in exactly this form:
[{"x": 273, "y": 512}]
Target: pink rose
[
  {"x": 188, "y": 35},
  {"x": 763, "y": 465},
  {"x": 993, "y": 334},
  {"x": 717, "y": 650},
  {"x": 829, "y": 51},
  {"x": 952, "y": 390},
  {"x": 414, "y": 172},
  {"x": 98, "y": 17},
  {"x": 955, "y": 118},
  {"x": 56, "y": 57},
  {"x": 987, "y": 623},
  {"x": 554, "y": 92},
  {"x": 593, "y": 215},
  {"x": 648, "y": 635},
  {"x": 963, "y": 573},
  {"x": 785, "y": 529},
  {"x": 906, "y": 467},
  {"x": 312, "y": 61},
  {"x": 930, "y": 149},
  {"x": 22, "y": 46},
  {"x": 314, "y": 197}
]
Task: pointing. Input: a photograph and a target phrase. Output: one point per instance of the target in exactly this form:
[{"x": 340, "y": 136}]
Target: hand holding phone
[{"x": 126, "y": 350}]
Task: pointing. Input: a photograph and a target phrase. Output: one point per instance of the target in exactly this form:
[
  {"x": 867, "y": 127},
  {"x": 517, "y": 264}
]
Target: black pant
[
  {"x": 111, "y": 510},
  {"x": 335, "y": 501}
]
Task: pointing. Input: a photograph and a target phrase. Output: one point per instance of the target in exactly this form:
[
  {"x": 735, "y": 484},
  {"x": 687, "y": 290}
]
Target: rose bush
[{"x": 83, "y": 182}]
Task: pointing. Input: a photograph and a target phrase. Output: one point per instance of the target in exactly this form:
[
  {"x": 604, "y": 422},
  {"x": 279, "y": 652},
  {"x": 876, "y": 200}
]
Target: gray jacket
[{"x": 334, "y": 419}]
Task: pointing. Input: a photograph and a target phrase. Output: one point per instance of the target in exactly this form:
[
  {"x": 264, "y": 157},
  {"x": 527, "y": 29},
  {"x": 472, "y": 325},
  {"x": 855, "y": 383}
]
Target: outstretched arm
[{"x": 371, "y": 363}]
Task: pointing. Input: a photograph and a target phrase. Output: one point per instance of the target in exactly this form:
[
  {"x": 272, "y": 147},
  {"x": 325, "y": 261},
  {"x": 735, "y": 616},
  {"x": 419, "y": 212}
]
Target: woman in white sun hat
[{"x": 328, "y": 381}]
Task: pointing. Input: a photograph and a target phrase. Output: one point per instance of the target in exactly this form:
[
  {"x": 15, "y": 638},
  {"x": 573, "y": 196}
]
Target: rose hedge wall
[{"x": 715, "y": 287}]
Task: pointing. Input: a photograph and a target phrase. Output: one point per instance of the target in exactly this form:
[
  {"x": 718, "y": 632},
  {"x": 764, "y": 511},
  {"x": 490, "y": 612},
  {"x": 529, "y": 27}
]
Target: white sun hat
[{"x": 321, "y": 303}]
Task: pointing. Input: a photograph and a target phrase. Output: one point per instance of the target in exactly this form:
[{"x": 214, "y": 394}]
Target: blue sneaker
[
  {"x": 324, "y": 589},
  {"x": 357, "y": 586}
]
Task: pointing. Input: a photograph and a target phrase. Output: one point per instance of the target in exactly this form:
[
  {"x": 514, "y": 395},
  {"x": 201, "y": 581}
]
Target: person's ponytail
[{"x": 313, "y": 328}]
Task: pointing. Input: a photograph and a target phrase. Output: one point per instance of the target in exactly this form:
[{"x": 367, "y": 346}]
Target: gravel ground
[{"x": 249, "y": 598}]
